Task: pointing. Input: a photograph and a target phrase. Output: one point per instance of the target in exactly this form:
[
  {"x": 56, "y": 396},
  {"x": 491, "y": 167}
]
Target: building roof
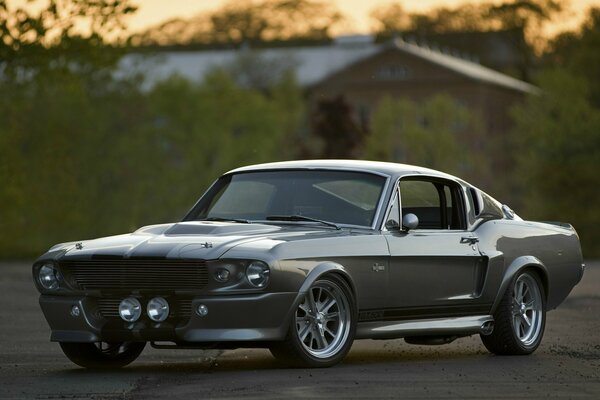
[
  {"x": 315, "y": 64},
  {"x": 465, "y": 67}
]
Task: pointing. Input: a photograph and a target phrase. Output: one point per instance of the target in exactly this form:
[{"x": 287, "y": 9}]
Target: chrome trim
[
  {"x": 430, "y": 327},
  {"x": 381, "y": 202},
  {"x": 389, "y": 208},
  {"x": 451, "y": 179}
]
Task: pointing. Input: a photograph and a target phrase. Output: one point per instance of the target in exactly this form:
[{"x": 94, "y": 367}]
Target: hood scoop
[{"x": 217, "y": 228}]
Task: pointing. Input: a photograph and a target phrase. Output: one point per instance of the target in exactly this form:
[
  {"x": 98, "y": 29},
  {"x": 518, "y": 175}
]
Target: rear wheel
[
  {"x": 102, "y": 354},
  {"x": 520, "y": 318},
  {"x": 322, "y": 328}
]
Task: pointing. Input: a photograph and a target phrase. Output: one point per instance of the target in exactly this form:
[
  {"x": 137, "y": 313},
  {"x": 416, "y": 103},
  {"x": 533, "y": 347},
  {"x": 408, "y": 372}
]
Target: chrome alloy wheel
[
  {"x": 527, "y": 316},
  {"x": 323, "y": 320}
]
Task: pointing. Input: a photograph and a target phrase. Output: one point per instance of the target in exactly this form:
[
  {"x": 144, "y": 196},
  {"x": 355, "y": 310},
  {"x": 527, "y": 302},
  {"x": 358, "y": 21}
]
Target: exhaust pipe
[{"x": 487, "y": 328}]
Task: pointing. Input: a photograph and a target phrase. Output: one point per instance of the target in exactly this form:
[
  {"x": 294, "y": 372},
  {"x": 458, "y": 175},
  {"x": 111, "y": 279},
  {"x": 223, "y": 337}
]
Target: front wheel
[
  {"x": 322, "y": 328},
  {"x": 520, "y": 318},
  {"x": 102, "y": 354}
]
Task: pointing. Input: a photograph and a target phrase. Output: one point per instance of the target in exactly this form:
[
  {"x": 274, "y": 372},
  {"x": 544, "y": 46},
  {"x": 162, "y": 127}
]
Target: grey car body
[{"x": 428, "y": 284}]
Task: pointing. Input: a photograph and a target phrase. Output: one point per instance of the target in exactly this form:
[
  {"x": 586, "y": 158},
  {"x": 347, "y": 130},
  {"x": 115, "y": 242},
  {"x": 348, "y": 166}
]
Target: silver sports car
[{"x": 303, "y": 258}]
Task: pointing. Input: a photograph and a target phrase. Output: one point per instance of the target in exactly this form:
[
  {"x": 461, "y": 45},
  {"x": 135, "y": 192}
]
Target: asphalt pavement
[{"x": 566, "y": 365}]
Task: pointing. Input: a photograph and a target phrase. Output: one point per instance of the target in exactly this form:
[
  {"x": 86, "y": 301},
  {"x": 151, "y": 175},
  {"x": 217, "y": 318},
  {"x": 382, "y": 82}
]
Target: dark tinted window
[
  {"x": 437, "y": 204},
  {"x": 337, "y": 196}
]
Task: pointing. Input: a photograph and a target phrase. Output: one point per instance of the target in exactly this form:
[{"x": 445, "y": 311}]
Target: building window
[{"x": 392, "y": 72}]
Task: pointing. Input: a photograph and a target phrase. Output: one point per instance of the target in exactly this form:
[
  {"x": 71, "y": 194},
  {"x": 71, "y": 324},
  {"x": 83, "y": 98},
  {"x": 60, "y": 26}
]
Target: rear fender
[{"x": 519, "y": 264}]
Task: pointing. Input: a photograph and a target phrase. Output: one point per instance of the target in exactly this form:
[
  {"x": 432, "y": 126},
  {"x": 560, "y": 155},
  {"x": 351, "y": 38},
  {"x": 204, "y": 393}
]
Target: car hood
[{"x": 203, "y": 240}]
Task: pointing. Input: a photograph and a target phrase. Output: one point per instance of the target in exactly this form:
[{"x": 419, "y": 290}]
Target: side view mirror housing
[{"x": 410, "y": 221}]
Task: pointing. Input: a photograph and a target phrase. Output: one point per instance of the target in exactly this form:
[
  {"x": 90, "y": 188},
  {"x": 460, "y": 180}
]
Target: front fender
[
  {"x": 326, "y": 268},
  {"x": 318, "y": 271},
  {"x": 519, "y": 264}
]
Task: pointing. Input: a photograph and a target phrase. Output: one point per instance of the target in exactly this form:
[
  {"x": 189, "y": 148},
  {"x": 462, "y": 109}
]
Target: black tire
[
  {"x": 512, "y": 335},
  {"x": 102, "y": 354},
  {"x": 317, "y": 339}
]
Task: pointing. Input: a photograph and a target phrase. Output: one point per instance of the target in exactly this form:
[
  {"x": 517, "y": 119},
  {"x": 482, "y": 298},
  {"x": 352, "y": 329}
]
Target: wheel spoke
[
  {"x": 529, "y": 305},
  {"x": 304, "y": 307},
  {"x": 519, "y": 294},
  {"x": 311, "y": 302},
  {"x": 304, "y": 331},
  {"x": 326, "y": 329},
  {"x": 526, "y": 320},
  {"x": 521, "y": 329},
  {"x": 334, "y": 316},
  {"x": 517, "y": 324},
  {"x": 321, "y": 341},
  {"x": 327, "y": 305}
]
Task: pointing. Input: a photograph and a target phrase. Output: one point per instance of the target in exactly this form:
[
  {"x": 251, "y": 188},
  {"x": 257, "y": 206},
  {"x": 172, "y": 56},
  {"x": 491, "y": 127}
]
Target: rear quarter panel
[{"x": 511, "y": 246}]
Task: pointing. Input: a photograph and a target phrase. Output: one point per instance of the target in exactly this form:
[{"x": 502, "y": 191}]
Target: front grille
[
  {"x": 136, "y": 274},
  {"x": 179, "y": 308}
]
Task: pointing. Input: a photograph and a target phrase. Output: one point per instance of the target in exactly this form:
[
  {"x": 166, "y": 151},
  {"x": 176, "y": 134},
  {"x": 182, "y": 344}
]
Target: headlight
[
  {"x": 48, "y": 277},
  {"x": 257, "y": 274}
]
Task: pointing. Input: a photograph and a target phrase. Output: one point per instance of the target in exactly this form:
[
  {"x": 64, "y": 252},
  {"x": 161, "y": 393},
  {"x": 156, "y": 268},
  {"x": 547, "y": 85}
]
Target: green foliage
[
  {"x": 579, "y": 53},
  {"x": 86, "y": 153},
  {"x": 558, "y": 134},
  {"x": 434, "y": 134},
  {"x": 335, "y": 133},
  {"x": 80, "y": 164}
]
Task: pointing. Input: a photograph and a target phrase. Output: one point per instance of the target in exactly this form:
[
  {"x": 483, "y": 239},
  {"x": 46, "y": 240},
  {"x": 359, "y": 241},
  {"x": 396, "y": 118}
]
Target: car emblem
[
  {"x": 206, "y": 245},
  {"x": 79, "y": 246}
]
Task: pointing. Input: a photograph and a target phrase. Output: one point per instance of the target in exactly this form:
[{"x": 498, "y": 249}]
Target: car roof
[{"x": 379, "y": 167}]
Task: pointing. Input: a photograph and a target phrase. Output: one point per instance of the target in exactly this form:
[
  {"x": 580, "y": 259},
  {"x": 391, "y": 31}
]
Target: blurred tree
[
  {"x": 560, "y": 147},
  {"x": 390, "y": 20},
  {"x": 579, "y": 53},
  {"x": 249, "y": 22},
  {"x": 527, "y": 17},
  {"x": 79, "y": 164},
  {"x": 87, "y": 151},
  {"x": 335, "y": 131},
  {"x": 63, "y": 34},
  {"x": 433, "y": 134}
]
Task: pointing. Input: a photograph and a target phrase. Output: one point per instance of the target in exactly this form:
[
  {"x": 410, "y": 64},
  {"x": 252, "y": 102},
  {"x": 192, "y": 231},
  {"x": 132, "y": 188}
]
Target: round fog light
[
  {"x": 158, "y": 309},
  {"x": 202, "y": 310},
  {"x": 130, "y": 309}
]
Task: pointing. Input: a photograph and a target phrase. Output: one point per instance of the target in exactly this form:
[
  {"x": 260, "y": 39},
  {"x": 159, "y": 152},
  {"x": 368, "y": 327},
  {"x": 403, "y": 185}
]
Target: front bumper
[{"x": 240, "y": 318}]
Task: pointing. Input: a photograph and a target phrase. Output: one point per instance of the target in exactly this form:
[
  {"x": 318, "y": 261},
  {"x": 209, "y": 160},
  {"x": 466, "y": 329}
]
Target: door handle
[{"x": 469, "y": 240}]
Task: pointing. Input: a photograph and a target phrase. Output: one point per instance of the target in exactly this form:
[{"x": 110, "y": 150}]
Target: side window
[{"x": 437, "y": 204}]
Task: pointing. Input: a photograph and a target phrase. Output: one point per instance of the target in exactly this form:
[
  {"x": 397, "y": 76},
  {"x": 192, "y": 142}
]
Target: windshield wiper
[
  {"x": 300, "y": 218},
  {"x": 219, "y": 219}
]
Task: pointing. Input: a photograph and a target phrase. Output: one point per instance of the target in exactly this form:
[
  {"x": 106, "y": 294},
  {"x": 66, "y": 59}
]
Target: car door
[{"x": 436, "y": 269}]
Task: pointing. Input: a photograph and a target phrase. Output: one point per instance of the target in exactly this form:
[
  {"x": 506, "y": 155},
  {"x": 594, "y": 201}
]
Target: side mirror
[{"x": 410, "y": 221}]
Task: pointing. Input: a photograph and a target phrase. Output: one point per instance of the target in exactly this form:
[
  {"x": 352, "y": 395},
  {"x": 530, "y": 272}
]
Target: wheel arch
[
  {"x": 518, "y": 265},
  {"x": 328, "y": 268}
]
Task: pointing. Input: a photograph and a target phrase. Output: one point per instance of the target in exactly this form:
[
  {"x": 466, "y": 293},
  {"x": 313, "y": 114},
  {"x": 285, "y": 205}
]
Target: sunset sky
[{"x": 152, "y": 12}]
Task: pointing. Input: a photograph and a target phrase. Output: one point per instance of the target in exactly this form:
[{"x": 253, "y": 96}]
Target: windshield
[{"x": 342, "y": 197}]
